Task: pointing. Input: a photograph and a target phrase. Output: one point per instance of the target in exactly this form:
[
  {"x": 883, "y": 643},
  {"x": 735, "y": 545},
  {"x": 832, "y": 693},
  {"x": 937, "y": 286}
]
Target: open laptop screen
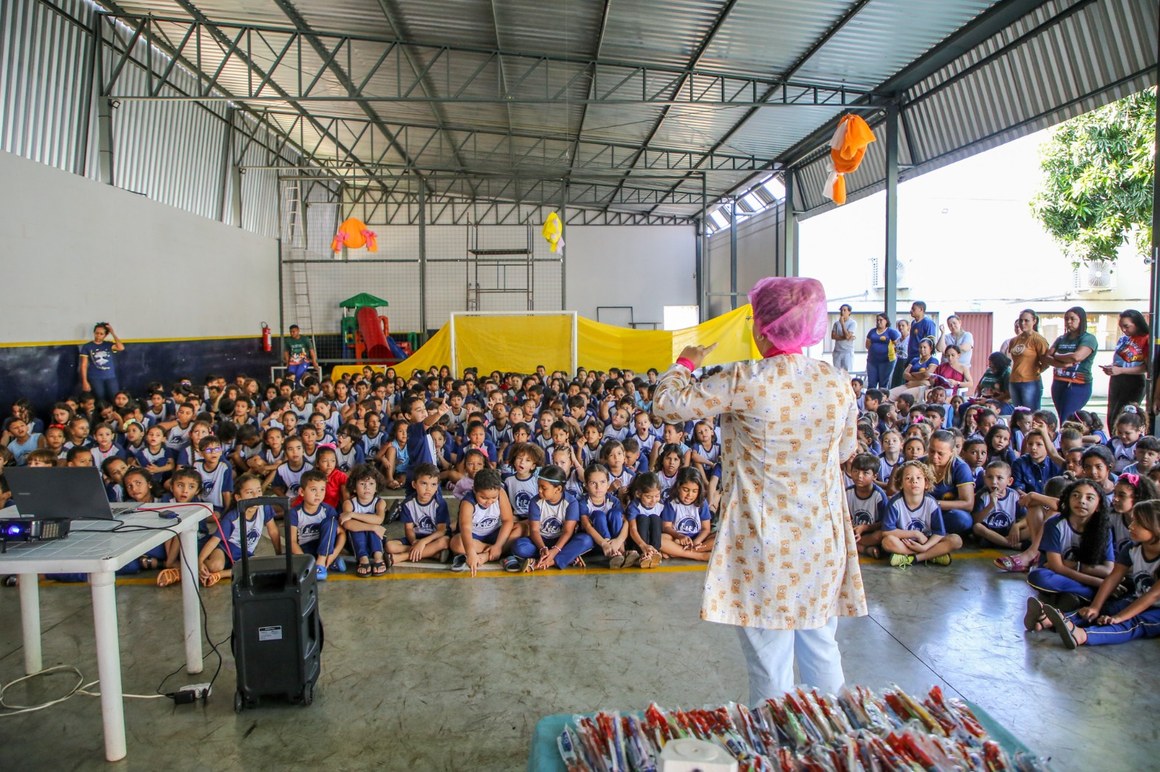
[{"x": 64, "y": 491}]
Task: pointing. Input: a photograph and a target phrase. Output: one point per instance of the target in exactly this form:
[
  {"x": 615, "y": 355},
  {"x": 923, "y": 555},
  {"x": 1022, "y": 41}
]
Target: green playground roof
[{"x": 363, "y": 299}]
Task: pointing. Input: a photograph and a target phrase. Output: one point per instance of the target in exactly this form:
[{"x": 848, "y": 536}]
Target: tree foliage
[{"x": 1096, "y": 192}]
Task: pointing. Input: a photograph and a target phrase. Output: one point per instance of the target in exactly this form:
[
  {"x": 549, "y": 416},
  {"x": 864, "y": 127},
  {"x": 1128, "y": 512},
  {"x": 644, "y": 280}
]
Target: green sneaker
[
  {"x": 901, "y": 561},
  {"x": 941, "y": 560}
]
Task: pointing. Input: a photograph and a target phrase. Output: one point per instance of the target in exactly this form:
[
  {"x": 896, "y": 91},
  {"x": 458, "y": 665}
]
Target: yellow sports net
[{"x": 520, "y": 343}]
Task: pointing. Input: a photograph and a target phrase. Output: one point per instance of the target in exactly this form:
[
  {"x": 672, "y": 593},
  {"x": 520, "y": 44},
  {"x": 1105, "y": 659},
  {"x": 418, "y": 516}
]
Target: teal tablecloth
[{"x": 544, "y": 756}]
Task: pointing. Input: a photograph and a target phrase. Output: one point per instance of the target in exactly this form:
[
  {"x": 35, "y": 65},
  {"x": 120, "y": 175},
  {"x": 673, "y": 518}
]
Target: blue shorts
[{"x": 487, "y": 539}]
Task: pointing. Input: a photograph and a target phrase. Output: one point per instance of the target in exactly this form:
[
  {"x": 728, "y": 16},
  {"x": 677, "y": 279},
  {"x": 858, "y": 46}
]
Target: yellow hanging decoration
[
  {"x": 847, "y": 147},
  {"x": 552, "y": 232}
]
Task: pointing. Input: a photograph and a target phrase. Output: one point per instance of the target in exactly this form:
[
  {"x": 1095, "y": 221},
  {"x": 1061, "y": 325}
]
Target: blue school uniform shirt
[
  {"x": 1141, "y": 576},
  {"x": 309, "y": 524},
  {"x": 1006, "y": 512},
  {"x": 426, "y": 518},
  {"x": 215, "y": 483},
  {"x": 352, "y": 458},
  {"x": 289, "y": 479},
  {"x": 99, "y": 456},
  {"x": 231, "y": 534},
  {"x": 960, "y": 475},
  {"x": 484, "y": 521},
  {"x": 420, "y": 446},
  {"x": 1124, "y": 454},
  {"x": 869, "y": 510},
  {"x": 927, "y": 518},
  {"x": 520, "y": 493},
  {"x": 635, "y": 510},
  {"x": 1120, "y": 536},
  {"x": 685, "y": 518},
  {"x": 552, "y": 517},
  {"x": 1030, "y": 477},
  {"x": 1061, "y": 538},
  {"x": 371, "y": 444},
  {"x": 611, "y": 507}
]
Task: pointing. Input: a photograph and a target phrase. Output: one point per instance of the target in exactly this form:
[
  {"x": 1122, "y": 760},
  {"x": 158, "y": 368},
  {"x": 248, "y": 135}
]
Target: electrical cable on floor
[
  {"x": 84, "y": 689},
  {"x": 914, "y": 654}
]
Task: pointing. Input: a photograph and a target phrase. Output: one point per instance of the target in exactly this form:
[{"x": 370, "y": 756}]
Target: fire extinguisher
[{"x": 267, "y": 341}]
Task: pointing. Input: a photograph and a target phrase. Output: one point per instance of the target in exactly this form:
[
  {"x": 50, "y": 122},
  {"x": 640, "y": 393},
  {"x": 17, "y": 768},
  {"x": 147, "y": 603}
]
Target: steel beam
[
  {"x": 380, "y": 79},
  {"x": 890, "y": 252}
]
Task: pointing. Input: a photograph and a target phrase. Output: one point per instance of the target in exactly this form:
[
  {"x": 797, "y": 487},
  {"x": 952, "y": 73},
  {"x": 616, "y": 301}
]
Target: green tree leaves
[{"x": 1097, "y": 179}]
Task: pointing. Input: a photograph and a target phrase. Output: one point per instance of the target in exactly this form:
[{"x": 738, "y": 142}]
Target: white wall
[
  {"x": 646, "y": 267},
  {"x": 75, "y": 252}
]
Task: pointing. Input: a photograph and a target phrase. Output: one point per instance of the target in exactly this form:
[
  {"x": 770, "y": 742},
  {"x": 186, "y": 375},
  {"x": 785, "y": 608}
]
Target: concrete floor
[{"x": 428, "y": 670}]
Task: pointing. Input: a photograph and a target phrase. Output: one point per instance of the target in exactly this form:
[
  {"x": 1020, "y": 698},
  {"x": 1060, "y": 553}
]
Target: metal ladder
[{"x": 300, "y": 291}]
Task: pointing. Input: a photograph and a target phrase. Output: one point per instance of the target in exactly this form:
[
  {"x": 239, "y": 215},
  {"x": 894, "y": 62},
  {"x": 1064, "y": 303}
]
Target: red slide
[{"x": 371, "y": 330}]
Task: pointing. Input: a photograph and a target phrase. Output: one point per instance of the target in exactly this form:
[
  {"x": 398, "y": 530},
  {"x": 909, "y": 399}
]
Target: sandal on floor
[
  {"x": 168, "y": 576},
  {"x": 874, "y": 552},
  {"x": 1014, "y": 564},
  {"x": 363, "y": 569},
  {"x": 1062, "y": 625},
  {"x": 209, "y": 580},
  {"x": 1034, "y": 620},
  {"x": 379, "y": 567}
]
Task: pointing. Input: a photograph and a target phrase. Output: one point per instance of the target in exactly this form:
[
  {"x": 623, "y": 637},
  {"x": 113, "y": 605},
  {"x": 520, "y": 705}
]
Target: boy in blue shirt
[{"x": 314, "y": 528}]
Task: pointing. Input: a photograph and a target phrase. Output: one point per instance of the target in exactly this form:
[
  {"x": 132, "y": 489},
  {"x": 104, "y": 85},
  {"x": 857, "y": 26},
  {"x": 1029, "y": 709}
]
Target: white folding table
[{"x": 94, "y": 548}]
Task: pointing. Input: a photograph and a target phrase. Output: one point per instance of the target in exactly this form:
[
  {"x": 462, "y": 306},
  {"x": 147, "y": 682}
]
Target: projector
[{"x": 32, "y": 529}]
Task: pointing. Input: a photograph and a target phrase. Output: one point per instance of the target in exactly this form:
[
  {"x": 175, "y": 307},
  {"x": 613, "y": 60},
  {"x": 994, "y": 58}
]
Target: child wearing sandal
[
  {"x": 425, "y": 517},
  {"x": 1076, "y": 550},
  {"x": 867, "y": 504},
  {"x": 314, "y": 528},
  {"x": 1039, "y": 507},
  {"x": 362, "y": 518},
  {"x": 552, "y": 538},
  {"x": 485, "y": 524},
  {"x": 223, "y": 549},
  {"x": 644, "y": 518},
  {"x": 913, "y": 527},
  {"x": 184, "y": 488},
  {"x": 999, "y": 520},
  {"x": 1107, "y": 621},
  {"x": 686, "y": 526},
  {"x": 602, "y": 518}
]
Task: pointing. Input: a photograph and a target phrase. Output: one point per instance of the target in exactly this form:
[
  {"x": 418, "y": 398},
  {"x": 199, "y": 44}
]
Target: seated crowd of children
[{"x": 541, "y": 471}]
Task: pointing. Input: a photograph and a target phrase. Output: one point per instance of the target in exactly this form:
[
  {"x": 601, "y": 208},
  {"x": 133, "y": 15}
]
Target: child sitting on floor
[
  {"x": 362, "y": 517},
  {"x": 913, "y": 527},
  {"x": 426, "y": 520},
  {"x": 999, "y": 519},
  {"x": 485, "y": 524},
  {"x": 644, "y": 518},
  {"x": 552, "y": 538},
  {"x": 687, "y": 527},
  {"x": 1076, "y": 550},
  {"x": 602, "y": 518},
  {"x": 314, "y": 528},
  {"x": 223, "y": 549},
  {"x": 867, "y": 503},
  {"x": 1136, "y": 615}
]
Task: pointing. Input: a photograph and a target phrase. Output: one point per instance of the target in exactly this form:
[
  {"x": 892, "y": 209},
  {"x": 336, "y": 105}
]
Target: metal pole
[
  {"x": 422, "y": 265},
  {"x": 1154, "y": 300},
  {"x": 733, "y": 254},
  {"x": 703, "y": 254},
  {"x": 92, "y": 73},
  {"x": 227, "y": 158},
  {"x": 891, "y": 251},
  {"x": 787, "y": 265},
  {"x": 281, "y": 308}
]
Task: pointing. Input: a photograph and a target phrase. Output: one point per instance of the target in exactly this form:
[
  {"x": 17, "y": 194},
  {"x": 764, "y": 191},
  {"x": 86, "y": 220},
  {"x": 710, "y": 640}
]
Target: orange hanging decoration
[
  {"x": 353, "y": 234},
  {"x": 847, "y": 148}
]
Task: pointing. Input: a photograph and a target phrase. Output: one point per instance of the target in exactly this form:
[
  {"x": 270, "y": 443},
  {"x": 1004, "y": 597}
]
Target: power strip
[{"x": 192, "y": 693}]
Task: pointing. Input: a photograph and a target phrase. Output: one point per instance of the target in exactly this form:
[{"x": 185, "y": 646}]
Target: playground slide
[
  {"x": 372, "y": 333},
  {"x": 396, "y": 350}
]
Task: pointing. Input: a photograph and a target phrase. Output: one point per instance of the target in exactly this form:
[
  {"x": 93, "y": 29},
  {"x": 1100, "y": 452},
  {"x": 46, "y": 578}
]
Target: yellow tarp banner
[{"x": 520, "y": 343}]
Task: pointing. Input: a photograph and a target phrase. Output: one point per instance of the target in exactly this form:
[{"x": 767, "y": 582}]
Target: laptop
[{"x": 66, "y": 491}]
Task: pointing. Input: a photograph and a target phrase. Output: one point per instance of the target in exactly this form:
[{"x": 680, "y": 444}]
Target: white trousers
[{"x": 770, "y": 654}]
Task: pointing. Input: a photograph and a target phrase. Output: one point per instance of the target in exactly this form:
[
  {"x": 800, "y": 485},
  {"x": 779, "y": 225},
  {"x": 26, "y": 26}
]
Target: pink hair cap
[{"x": 790, "y": 311}]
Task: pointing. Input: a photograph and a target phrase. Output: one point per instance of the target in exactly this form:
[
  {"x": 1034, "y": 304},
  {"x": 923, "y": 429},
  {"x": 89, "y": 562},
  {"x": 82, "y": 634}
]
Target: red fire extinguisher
[{"x": 267, "y": 341}]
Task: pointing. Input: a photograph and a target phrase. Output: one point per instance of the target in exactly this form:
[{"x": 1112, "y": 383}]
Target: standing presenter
[{"x": 785, "y": 566}]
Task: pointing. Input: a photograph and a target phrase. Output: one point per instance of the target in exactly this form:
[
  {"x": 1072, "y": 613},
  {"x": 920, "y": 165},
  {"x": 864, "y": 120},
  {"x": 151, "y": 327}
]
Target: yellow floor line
[{"x": 407, "y": 572}]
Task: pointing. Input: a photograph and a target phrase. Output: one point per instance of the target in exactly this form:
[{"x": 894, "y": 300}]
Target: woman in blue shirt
[
  {"x": 97, "y": 370},
  {"x": 881, "y": 353},
  {"x": 917, "y": 374}
]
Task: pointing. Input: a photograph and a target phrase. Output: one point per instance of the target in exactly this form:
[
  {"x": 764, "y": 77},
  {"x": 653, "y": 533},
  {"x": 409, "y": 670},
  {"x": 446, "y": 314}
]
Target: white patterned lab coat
[{"x": 785, "y": 556}]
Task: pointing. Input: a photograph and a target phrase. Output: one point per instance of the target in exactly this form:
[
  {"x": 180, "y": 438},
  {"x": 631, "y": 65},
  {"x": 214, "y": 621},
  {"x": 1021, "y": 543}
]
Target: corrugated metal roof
[{"x": 546, "y": 58}]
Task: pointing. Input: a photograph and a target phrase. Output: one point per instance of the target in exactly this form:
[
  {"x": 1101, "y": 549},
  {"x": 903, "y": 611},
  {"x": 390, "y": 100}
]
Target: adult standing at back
[
  {"x": 98, "y": 371},
  {"x": 922, "y": 327},
  {"x": 842, "y": 333},
  {"x": 1072, "y": 355},
  {"x": 902, "y": 348},
  {"x": 785, "y": 564},
  {"x": 1129, "y": 364},
  {"x": 1028, "y": 352},
  {"x": 955, "y": 335},
  {"x": 881, "y": 353}
]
